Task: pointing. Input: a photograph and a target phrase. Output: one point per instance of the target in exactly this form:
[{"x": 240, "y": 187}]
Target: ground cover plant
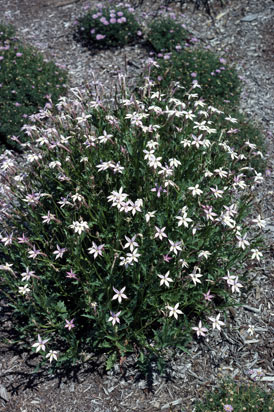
[
  {"x": 107, "y": 27},
  {"x": 27, "y": 81},
  {"x": 236, "y": 397},
  {"x": 219, "y": 81},
  {"x": 164, "y": 34},
  {"x": 131, "y": 232}
]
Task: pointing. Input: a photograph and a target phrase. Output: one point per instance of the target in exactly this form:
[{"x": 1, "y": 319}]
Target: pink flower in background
[
  {"x": 194, "y": 74},
  {"x": 71, "y": 275},
  {"x": 69, "y": 324},
  {"x": 139, "y": 33},
  {"x": 222, "y": 60},
  {"x": 92, "y": 31},
  {"x": 19, "y": 54},
  {"x": 228, "y": 408},
  {"x": 208, "y": 296},
  {"x": 113, "y": 20},
  {"x": 100, "y": 36},
  {"x": 167, "y": 258}
]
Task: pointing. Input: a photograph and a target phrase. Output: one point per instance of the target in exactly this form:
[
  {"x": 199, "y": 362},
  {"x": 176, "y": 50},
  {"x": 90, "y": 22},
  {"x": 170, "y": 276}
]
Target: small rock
[
  {"x": 4, "y": 394},
  {"x": 250, "y": 17}
]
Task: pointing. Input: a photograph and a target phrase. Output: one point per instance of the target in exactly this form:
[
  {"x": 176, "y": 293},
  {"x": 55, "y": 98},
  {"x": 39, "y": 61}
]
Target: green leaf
[{"x": 111, "y": 361}]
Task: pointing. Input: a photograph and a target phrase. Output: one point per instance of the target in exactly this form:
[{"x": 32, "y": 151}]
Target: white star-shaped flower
[
  {"x": 216, "y": 322},
  {"x": 165, "y": 279},
  {"x": 174, "y": 311},
  {"x": 119, "y": 294}
]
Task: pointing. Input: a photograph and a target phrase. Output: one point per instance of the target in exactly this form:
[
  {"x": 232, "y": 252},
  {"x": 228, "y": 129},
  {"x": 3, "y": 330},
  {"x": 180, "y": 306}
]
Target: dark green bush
[
  {"x": 129, "y": 233},
  {"x": 220, "y": 83},
  {"x": 107, "y": 27},
  {"x": 165, "y": 35},
  {"x": 27, "y": 81}
]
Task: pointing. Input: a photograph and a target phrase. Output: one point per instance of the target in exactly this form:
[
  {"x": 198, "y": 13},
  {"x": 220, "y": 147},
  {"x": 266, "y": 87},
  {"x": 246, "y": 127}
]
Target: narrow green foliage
[
  {"x": 219, "y": 81},
  {"x": 165, "y": 34},
  {"x": 237, "y": 397},
  {"x": 27, "y": 81}
]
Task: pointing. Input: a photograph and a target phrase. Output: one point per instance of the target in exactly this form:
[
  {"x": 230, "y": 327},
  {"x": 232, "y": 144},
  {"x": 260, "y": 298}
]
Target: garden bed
[{"x": 48, "y": 26}]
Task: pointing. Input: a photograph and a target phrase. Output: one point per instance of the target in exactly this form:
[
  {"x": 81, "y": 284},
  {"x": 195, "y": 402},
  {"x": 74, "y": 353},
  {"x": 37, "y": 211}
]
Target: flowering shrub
[
  {"x": 107, "y": 27},
  {"x": 128, "y": 233},
  {"x": 219, "y": 81},
  {"x": 235, "y": 397},
  {"x": 165, "y": 34},
  {"x": 26, "y": 83}
]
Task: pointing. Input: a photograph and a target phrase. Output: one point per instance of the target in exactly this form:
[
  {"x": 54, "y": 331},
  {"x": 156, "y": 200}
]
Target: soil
[{"x": 244, "y": 32}]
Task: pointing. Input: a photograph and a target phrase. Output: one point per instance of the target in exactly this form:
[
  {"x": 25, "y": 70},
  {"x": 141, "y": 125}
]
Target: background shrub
[
  {"x": 219, "y": 81},
  {"x": 128, "y": 231},
  {"x": 107, "y": 27},
  {"x": 27, "y": 81},
  {"x": 165, "y": 34},
  {"x": 237, "y": 397}
]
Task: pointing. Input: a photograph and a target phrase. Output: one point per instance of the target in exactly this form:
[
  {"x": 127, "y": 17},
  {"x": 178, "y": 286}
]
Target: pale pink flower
[
  {"x": 34, "y": 253},
  {"x": 24, "y": 290},
  {"x": 28, "y": 274},
  {"x": 174, "y": 311},
  {"x": 131, "y": 243},
  {"x": 119, "y": 294},
  {"x": 200, "y": 330},
  {"x": 69, "y": 324},
  {"x": 114, "y": 318},
  {"x": 259, "y": 222},
  {"x": 52, "y": 354},
  {"x": 160, "y": 233},
  {"x": 195, "y": 190},
  {"x": 235, "y": 285},
  {"x": 71, "y": 275},
  {"x": 59, "y": 252},
  {"x": 208, "y": 296},
  {"x": 256, "y": 254},
  {"x": 195, "y": 276},
  {"x": 100, "y": 36},
  {"x": 40, "y": 345},
  {"x": 175, "y": 246},
  {"x": 7, "y": 240},
  {"x": 165, "y": 279},
  {"x": 228, "y": 408},
  {"x": 96, "y": 250},
  {"x": 216, "y": 322},
  {"x": 133, "y": 256},
  {"x": 242, "y": 242}
]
